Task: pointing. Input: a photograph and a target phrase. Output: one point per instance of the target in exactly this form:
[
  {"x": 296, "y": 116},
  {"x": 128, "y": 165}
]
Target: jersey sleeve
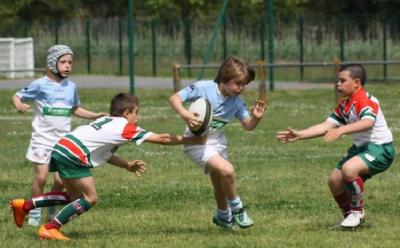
[
  {"x": 77, "y": 100},
  {"x": 190, "y": 93},
  {"x": 336, "y": 117},
  {"x": 367, "y": 109},
  {"x": 30, "y": 92},
  {"x": 242, "y": 112},
  {"x": 135, "y": 134}
]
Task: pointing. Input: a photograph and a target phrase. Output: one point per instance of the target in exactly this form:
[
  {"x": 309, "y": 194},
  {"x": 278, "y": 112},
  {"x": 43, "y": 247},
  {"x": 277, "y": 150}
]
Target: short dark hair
[
  {"x": 122, "y": 102},
  {"x": 356, "y": 71},
  {"x": 235, "y": 68}
]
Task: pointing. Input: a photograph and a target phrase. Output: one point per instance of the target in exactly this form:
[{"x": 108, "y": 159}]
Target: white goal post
[{"x": 16, "y": 57}]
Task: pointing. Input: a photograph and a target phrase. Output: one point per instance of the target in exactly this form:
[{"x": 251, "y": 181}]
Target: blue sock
[{"x": 235, "y": 204}]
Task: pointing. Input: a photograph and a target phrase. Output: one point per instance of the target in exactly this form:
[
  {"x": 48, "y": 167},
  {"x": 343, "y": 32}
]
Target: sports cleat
[
  {"x": 51, "y": 234},
  {"x": 19, "y": 214},
  {"x": 337, "y": 225},
  {"x": 242, "y": 219},
  {"x": 222, "y": 223},
  {"x": 354, "y": 219}
]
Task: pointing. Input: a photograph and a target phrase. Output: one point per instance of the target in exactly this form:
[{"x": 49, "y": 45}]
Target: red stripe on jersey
[
  {"x": 129, "y": 131},
  {"x": 74, "y": 149},
  {"x": 360, "y": 101},
  {"x": 365, "y": 102}
]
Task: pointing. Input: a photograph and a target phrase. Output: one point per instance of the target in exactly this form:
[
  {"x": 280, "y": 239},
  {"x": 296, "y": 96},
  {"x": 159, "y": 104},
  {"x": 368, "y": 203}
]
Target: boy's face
[
  {"x": 64, "y": 65},
  {"x": 132, "y": 116},
  {"x": 346, "y": 84},
  {"x": 232, "y": 88}
]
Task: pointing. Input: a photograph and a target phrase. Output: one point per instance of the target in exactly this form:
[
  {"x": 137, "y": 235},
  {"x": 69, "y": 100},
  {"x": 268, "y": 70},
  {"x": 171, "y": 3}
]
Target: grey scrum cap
[{"x": 54, "y": 53}]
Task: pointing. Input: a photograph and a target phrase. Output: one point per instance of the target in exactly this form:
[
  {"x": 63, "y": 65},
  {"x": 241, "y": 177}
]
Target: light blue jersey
[
  {"x": 224, "y": 108},
  {"x": 53, "y": 108}
]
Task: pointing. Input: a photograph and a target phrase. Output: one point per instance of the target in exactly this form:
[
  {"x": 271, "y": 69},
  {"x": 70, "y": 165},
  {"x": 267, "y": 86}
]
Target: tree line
[{"x": 13, "y": 11}]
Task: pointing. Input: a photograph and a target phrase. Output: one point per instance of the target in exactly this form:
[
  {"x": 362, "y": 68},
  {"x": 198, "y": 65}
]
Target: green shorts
[
  {"x": 377, "y": 157},
  {"x": 67, "y": 169}
]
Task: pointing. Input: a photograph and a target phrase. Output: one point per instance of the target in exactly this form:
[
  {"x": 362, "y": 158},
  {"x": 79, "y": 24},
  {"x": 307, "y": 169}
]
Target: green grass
[{"x": 283, "y": 186}]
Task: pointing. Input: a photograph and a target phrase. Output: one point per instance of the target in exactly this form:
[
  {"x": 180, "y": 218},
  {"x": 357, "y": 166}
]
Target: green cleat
[
  {"x": 223, "y": 223},
  {"x": 242, "y": 219}
]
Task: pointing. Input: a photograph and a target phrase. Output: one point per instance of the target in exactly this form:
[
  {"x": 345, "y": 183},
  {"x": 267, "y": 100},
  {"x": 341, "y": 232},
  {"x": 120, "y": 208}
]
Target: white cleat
[{"x": 354, "y": 219}]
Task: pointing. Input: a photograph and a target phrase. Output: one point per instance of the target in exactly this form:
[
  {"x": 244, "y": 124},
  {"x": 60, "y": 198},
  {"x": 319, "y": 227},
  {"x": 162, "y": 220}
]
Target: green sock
[{"x": 72, "y": 210}]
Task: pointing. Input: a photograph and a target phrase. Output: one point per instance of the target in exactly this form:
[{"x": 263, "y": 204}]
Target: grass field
[{"x": 283, "y": 186}]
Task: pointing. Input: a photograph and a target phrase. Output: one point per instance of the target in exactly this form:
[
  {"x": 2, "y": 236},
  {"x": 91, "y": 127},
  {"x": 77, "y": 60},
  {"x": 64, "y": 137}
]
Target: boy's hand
[
  {"x": 22, "y": 107},
  {"x": 289, "y": 135},
  {"x": 191, "y": 120},
  {"x": 137, "y": 166},
  {"x": 258, "y": 109}
]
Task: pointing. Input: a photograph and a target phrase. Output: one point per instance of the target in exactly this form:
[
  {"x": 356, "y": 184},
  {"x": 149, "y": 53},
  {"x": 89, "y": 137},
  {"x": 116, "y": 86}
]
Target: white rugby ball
[{"x": 205, "y": 114}]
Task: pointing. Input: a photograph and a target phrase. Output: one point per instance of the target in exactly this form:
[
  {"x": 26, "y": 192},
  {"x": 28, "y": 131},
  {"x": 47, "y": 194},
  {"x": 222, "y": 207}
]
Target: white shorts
[
  {"x": 39, "y": 155},
  {"x": 200, "y": 154}
]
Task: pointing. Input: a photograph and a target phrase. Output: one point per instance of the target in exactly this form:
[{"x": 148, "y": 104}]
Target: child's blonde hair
[{"x": 236, "y": 69}]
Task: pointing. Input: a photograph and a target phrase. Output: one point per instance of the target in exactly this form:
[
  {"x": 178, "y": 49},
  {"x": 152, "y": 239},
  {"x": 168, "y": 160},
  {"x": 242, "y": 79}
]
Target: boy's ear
[
  {"x": 125, "y": 113},
  {"x": 358, "y": 81}
]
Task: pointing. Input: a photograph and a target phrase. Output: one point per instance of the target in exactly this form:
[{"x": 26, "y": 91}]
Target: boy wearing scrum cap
[{"x": 55, "y": 99}]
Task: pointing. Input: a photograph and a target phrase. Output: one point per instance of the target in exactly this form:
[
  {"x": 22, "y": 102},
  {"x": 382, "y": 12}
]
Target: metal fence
[{"x": 101, "y": 45}]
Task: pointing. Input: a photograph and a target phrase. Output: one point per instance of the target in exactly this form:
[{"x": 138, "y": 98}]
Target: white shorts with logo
[
  {"x": 39, "y": 155},
  {"x": 200, "y": 154}
]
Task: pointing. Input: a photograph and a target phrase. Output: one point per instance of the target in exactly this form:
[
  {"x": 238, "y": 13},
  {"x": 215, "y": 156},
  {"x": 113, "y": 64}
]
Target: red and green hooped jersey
[
  {"x": 362, "y": 105},
  {"x": 92, "y": 145}
]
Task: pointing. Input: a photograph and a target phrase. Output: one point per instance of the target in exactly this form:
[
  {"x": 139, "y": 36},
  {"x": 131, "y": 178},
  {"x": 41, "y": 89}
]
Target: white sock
[
  {"x": 224, "y": 214},
  {"x": 235, "y": 204},
  {"x": 35, "y": 213}
]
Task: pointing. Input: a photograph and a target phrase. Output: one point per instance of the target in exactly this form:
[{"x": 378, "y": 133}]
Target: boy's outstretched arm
[
  {"x": 318, "y": 130},
  {"x": 257, "y": 113},
  {"x": 136, "y": 166},
  {"x": 87, "y": 114},
  {"x": 173, "y": 139},
  {"x": 355, "y": 127}
]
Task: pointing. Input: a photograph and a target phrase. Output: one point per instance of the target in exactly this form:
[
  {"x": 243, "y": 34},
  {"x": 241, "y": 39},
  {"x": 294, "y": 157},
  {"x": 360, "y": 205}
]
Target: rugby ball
[{"x": 205, "y": 114}]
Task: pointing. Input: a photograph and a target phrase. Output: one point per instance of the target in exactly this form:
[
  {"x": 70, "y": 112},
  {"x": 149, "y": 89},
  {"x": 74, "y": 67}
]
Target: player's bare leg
[
  {"x": 41, "y": 172},
  {"x": 340, "y": 194},
  {"x": 223, "y": 216},
  {"x": 58, "y": 186},
  {"x": 351, "y": 172},
  {"x": 226, "y": 172},
  {"x": 82, "y": 193}
]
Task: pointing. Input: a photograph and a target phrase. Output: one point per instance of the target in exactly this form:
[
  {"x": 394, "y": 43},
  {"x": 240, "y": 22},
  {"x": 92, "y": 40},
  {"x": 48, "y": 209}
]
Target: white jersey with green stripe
[
  {"x": 92, "y": 145},
  {"x": 53, "y": 108},
  {"x": 362, "y": 105}
]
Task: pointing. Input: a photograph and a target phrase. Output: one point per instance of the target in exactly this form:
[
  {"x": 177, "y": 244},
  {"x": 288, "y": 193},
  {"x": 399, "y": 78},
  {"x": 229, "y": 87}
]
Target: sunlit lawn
[{"x": 283, "y": 186}]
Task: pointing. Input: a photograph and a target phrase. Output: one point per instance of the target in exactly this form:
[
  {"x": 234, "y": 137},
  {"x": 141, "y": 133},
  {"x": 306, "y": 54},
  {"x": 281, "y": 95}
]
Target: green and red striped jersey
[
  {"x": 362, "y": 105},
  {"x": 93, "y": 145}
]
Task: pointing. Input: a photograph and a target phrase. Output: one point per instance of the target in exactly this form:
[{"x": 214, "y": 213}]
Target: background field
[{"x": 283, "y": 186}]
